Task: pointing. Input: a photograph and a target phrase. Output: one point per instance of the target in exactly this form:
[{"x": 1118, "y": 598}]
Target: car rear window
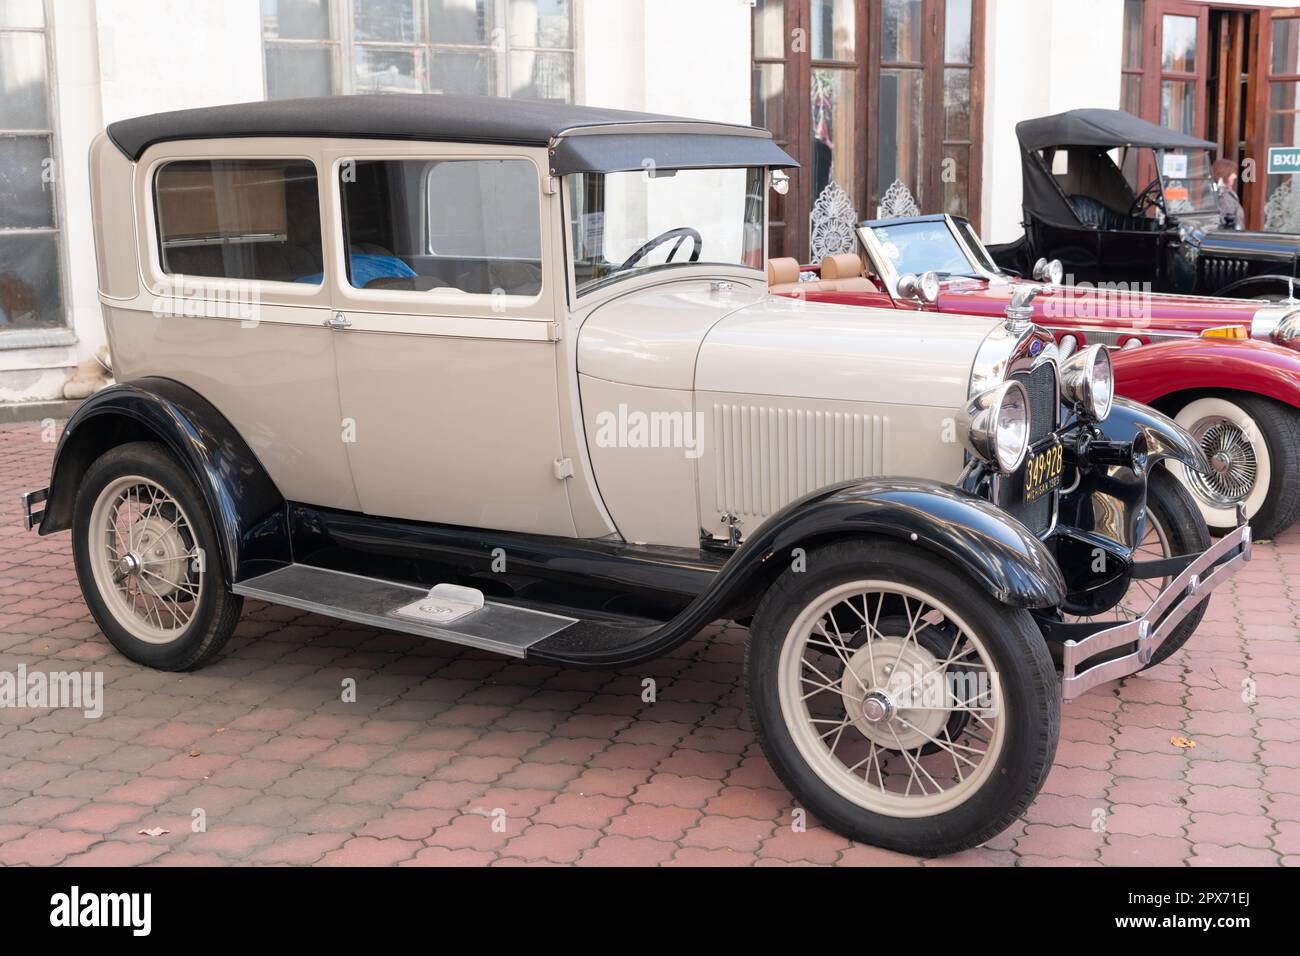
[{"x": 252, "y": 219}]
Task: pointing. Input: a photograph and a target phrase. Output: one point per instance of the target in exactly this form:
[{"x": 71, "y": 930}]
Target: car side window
[
  {"x": 239, "y": 219},
  {"x": 450, "y": 225}
]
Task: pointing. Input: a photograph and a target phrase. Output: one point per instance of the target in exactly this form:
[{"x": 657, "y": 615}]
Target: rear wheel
[
  {"x": 1253, "y": 445},
  {"x": 142, "y": 542},
  {"x": 898, "y": 702}
]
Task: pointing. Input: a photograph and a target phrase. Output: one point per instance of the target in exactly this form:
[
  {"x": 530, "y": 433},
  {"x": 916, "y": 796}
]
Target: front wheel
[
  {"x": 1253, "y": 445},
  {"x": 146, "y": 557},
  {"x": 897, "y": 701}
]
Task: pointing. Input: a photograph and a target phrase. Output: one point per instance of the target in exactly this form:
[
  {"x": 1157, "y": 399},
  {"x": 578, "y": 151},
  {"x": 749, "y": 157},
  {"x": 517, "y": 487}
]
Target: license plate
[{"x": 1043, "y": 468}]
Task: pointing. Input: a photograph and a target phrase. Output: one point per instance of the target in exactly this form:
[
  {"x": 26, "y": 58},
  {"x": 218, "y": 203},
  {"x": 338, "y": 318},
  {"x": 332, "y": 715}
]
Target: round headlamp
[
  {"x": 1287, "y": 332},
  {"x": 1050, "y": 271},
  {"x": 924, "y": 287},
  {"x": 1088, "y": 382},
  {"x": 997, "y": 426}
]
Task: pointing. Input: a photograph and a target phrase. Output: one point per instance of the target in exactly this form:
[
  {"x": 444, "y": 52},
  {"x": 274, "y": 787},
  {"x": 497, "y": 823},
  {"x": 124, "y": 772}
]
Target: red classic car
[{"x": 1227, "y": 370}]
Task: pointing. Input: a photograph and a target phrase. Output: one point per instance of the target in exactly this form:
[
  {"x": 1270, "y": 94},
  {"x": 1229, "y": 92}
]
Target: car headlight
[
  {"x": 924, "y": 287},
  {"x": 1088, "y": 382},
  {"x": 997, "y": 426},
  {"x": 1287, "y": 332}
]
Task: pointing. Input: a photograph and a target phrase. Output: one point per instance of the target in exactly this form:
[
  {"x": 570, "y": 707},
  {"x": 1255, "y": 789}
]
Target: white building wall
[
  {"x": 114, "y": 59},
  {"x": 1040, "y": 57},
  {"x": 683, "y": 57}
]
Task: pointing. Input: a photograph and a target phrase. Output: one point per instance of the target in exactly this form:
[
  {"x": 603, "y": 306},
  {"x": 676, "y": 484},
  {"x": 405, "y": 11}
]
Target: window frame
[
  {"x": 64, "y": 333},
  {"x": 428, "y": 310},
  {"x": 218, "y": 288},
  {"x": 344, "y": 44}
]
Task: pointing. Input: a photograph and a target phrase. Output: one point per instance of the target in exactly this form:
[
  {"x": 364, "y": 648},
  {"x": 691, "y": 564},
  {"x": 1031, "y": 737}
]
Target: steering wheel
[
  {"x": 681, "y": 234},
  {"x": 1149, "y": 198}
]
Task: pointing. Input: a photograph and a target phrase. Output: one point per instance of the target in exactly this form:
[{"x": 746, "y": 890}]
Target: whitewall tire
[{"x": 1253, "y": 445}]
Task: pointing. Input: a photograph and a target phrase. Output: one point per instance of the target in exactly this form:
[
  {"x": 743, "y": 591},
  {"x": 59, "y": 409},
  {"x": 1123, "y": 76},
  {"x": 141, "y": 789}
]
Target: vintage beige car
[{"x": 508, "y": 374}]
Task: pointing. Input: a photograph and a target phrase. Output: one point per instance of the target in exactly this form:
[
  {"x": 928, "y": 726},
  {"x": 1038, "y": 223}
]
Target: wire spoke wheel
[
  {"x": 891, "y": 698},
  {"x": 145, "y": 559}
]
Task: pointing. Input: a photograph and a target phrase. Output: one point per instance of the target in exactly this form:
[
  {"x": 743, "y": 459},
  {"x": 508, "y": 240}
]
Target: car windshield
[
  {"x": 626, "y": 223},
  {"x": 1185, "y": 174},
  {"x": 926, "y": 246}
]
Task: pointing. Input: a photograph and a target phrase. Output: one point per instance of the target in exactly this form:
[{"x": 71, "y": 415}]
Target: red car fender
[{"x": 1261, "y": 368}]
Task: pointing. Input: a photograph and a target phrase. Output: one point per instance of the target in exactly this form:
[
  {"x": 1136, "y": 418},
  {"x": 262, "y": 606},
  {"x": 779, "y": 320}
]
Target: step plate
[{"x": 352, "y": 597}]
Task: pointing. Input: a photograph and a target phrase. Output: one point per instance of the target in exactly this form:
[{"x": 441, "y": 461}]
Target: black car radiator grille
[
  {"x": 1044, "y": 408},
  {"x": 1216, "y": 272}
]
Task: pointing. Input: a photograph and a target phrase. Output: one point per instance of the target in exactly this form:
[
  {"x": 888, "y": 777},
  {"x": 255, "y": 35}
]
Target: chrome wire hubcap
[{"x": 1233, "y": 463}]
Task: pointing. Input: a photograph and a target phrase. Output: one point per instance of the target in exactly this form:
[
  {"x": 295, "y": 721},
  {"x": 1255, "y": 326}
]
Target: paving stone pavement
[{"x": 573, "y": 767}]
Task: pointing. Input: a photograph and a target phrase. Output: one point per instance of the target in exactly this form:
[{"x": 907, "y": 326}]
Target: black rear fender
[{"x": 247, "y": 510}]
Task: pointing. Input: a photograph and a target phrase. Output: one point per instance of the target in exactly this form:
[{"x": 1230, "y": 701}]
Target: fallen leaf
[
  {"x": 1186, "y": 743},
  {"x": 195, "y": 753},
  {"x": 152, "y": 831}
]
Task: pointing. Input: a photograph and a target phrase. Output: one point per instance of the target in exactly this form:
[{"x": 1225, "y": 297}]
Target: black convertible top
[
  {"x": 1109, "y": 128},
  {"x": 1089, "y": 136},
  {"x": 582, "y": 138}
]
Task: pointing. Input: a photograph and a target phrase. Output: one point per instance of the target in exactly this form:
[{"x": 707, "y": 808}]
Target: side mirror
[
  {"x": 1049, "y": 271},
  {"x": 924, "y": 288},
  {"x": 780, "y": 182}
]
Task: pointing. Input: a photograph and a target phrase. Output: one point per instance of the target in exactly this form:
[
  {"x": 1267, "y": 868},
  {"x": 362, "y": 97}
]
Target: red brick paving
[{"x": 451, "y": 757}]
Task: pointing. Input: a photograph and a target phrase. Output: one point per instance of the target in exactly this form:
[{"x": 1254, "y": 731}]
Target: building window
[
  {"x": 521, "y": 48},
  {"x": 1134, "y": 57},
  {"x": 31, "y": 280},
  {"x": 846, "y": 87},
  {"x": 1282, "y": 199}
]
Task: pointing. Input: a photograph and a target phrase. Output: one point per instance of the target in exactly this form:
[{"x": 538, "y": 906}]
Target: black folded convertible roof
[
  {"x": 581, "y": 138},
  {"x": 1109, "y": 128}
]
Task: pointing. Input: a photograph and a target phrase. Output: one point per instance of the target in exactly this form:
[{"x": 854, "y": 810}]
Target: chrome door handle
[{"x": 337, "y": 321}]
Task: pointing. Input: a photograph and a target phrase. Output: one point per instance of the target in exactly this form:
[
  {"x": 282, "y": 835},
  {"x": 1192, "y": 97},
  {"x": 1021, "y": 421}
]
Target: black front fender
[
  {"x": 1163, "y": 437},
  {"x": 247, "y": 510},
  {"x": 999, "y": 553}
]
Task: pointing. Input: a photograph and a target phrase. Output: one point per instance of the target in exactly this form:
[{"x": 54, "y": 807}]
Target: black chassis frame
[{"x": 636, "y": 602}]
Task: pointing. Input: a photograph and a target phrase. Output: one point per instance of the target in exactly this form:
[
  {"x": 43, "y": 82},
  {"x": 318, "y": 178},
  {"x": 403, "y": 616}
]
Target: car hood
[
  {"x": 788, "y": 347},
  {"x": 686, "y": 335},
  {"x": 1086, "y": 306}
]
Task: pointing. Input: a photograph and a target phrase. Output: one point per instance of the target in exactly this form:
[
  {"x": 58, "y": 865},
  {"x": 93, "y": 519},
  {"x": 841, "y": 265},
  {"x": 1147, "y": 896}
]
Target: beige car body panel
[
  {"x": 787, "y": 396},
  {"x": 498, "y": 411}
]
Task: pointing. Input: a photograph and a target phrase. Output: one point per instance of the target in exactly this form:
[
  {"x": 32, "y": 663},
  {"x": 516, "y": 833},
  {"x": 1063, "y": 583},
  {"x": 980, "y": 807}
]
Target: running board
[{"x": 447, "y": 613}]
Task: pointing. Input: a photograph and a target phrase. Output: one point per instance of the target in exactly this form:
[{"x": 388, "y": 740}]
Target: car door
[
  {"x": 233, "y": 301},
  {"x": 447, "y": 348}
]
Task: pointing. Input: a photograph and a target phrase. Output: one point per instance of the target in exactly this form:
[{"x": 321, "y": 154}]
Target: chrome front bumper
[
  {"x": 1149, "y": 631},
  {"x": 32, "y": 518}
]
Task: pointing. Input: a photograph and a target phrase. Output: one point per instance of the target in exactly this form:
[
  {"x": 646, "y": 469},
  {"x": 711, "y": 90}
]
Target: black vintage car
[{"x": 1119, "y": 200}]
